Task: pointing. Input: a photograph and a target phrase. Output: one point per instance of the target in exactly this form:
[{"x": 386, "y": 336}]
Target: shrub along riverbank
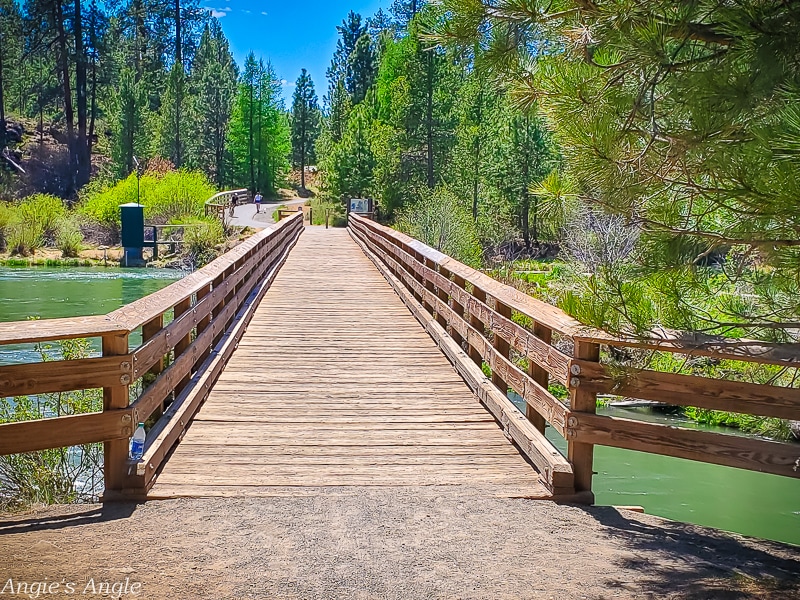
[
  {"x": 557, "y": 282},
  {"x": 169, "y": 198}
]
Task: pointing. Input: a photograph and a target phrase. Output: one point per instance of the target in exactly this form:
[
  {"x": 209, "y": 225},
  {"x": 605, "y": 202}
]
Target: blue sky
[{"x": 293, "y": 35}]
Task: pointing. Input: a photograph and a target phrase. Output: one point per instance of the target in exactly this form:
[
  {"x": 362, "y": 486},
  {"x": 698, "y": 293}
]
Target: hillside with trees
[{"x": 88, "y": 89}]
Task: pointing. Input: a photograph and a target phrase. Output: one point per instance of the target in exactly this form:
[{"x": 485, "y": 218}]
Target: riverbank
[{"x": 392, "y": 542}]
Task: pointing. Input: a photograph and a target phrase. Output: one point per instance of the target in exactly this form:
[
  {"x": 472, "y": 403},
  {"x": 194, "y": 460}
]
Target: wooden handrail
[
  {"x": 477, "y": 311},
  {"x": 210, "y": 308},
  {"x": 219, "y": 201}
]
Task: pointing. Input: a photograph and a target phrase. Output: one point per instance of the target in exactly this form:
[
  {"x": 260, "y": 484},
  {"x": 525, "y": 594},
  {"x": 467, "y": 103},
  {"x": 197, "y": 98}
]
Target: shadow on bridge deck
[{"x": 336, "y": 384}]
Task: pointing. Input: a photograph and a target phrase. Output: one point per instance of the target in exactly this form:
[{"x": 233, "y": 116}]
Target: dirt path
[{"x": 354, "y": 543}]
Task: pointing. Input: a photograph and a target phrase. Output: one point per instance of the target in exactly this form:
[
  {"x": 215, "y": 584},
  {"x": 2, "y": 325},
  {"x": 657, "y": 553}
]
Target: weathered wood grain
[{"x": 335, "y": 383}]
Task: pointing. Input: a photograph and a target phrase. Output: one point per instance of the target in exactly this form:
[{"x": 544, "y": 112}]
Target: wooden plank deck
[{"x": 336, "y": 384}]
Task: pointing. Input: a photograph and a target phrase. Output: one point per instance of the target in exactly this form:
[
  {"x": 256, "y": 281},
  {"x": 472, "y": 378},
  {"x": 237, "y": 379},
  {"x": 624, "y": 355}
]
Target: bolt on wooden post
[
  {"x": 579, "y": 454},
  {"x": 115, "y": 452}
]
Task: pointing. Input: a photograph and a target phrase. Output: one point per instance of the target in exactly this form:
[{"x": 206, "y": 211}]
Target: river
[{"x": 746, "y": 502}]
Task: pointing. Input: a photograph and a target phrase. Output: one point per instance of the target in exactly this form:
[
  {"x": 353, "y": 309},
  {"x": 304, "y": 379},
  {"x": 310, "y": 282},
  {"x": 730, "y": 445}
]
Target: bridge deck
[{"x": 336, "y": 384}]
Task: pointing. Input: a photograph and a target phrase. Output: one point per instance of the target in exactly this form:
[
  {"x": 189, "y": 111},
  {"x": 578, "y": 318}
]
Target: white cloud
[
  {"x": 264, "y": 13},
  {"x": 219, "y": 12}
]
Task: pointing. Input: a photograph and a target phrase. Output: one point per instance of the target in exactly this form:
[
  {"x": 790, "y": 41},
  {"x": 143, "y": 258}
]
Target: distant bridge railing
[
  {"x": 472, "y": 318},
  {"x": 219, "y": 203},
  {"x": 189, "y": 331}
]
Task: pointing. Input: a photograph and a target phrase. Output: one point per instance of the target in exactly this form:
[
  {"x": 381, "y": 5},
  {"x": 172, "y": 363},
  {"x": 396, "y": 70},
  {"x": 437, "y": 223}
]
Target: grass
[{"x": 319, "y": 207}]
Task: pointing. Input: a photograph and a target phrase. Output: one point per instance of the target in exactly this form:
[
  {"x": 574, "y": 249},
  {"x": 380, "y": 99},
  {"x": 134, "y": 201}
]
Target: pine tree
[
  {"x": 129, "y": 108},
  {"x": 212, "y": 91},
  {"x": 360, "y": 74},
  {"x": 305, "y": 124},
  {"x": 680, "y": 118},
  {"x": 172, "y": 129}
]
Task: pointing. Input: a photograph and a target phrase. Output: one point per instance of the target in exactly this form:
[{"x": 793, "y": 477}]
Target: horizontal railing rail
[
  {"x": 220, "y": 202},
  {"x": 473, "y": 317},
  {"x": 189, "y": 330}
]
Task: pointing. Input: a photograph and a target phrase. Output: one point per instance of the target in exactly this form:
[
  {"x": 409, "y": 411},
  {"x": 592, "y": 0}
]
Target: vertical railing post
[
  {"x": 579, "y": 454},
  {"x": 474, "y": 353},
  {"x": 115, "y": 452},
  {"x": 458, "y": 308},
  {"x": 149, "y": 331},
  {"x": 425, "y": 283},
  {"x": 501, "y": 346},
  {"x": 202, "y": 325},
  {"x": 539, "y": 375},
  {"x": 183, "y": 344},
  {"x": 444, "y": 296},
  {"x": 218, "y": 280}
]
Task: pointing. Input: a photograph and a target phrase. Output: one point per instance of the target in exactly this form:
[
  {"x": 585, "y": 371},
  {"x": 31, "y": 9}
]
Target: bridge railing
[
  {"x": 189, "y": 330},
  {"x": 220, "y": 202},
  {"x": 475, "y": 319}
]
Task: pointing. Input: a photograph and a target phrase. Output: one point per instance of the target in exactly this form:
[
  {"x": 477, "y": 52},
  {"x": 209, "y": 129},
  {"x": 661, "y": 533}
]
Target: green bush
[
  {"x": 27, "y": 224},
  {"x": 173, "y": 195},
  {"x": 201, "y": 237},
  {"x": 441, "y": 221},
  {"x": 68, "y": 236}
]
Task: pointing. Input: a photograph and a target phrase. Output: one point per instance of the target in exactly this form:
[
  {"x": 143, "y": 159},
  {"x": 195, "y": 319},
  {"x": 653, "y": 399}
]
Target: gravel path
[{"x": 354, "y": 543}]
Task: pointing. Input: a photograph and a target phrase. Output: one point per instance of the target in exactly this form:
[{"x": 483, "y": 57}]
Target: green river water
[{"x": 750, "y": 503}]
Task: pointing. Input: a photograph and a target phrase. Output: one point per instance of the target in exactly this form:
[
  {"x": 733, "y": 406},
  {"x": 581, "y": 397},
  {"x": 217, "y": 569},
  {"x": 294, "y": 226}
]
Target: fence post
[
  {"x": 183, "y": 344},
  {"x": 501, "y": 346},
  {"x": 538, "y": 374},
  {"x": 474, "y": 353},
  {"x": 579, "y": 454},
  {"x": 458, "y": 308},
  {"x": 149, "y": 331},
  {"x": 115, "y": 452}
]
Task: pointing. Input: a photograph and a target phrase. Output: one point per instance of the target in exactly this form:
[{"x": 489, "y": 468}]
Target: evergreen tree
[
  {"x": 680, "y": 118},
  {"x": 259, "y": 142},
  {"x": 360, "y": 69},
  {"x": 213, "y": 90},
  {"x": 305, "y": 124},
  {"x": 172, "y": 129},
  {"x": 11, "y": 48},
  {"x": 128, "y": 112}
]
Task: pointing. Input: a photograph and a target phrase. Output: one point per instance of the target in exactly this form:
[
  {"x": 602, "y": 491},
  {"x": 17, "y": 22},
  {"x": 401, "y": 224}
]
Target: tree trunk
[
  {"x": 429, "y": 120},
  {"x": 69, "y": 115},
  {"x": 2, "y": 100},
  {"x": 93, "y": 109},
  {"x": 252, "y": 149},
  {"x": 81, "y": 143},
  {"x": 303, "y": 148},
  {"x": 179, "y": 87},
  {"x": 525, "y": 204}
]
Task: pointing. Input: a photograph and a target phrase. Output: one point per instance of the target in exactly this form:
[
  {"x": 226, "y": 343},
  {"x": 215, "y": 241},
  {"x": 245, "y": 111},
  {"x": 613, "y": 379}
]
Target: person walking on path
[{"x": 257, "y": 200}]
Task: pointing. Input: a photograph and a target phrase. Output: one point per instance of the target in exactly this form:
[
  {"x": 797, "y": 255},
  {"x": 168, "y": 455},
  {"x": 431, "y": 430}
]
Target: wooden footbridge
[{"x": 310, "y": 357}]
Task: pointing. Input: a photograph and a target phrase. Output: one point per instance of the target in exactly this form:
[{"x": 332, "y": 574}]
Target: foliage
[
  {"x": 680, "y": 118},
  {"x": 259, "y": 141},
  {"x": 201, "y": 238},
  {"x": 174, "y": 195},
  {"x": 27, "y": 224},
  {"x": 440, "y": 220},
  {"x": 305, "y": 124},
  {"x": 59, "y": 475},
  {"x": 68, "y": 236}
]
